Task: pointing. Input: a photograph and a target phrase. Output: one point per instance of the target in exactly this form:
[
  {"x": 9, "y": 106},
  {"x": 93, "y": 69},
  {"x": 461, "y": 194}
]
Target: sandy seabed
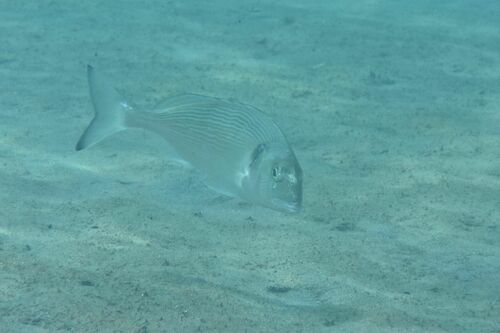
[{"x": 393, "y": 110}]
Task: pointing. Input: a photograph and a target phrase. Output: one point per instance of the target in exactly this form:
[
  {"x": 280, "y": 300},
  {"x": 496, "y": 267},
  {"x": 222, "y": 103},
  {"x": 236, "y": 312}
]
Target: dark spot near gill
[{"x": 257, "y": 153}]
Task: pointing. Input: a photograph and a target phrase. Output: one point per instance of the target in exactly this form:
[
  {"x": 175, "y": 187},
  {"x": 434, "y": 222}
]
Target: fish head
[{"x": 275, "y": 176}]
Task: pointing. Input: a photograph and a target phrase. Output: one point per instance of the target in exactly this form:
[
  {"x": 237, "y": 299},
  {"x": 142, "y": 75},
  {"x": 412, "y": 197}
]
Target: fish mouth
[
  {"x": 284, "y": 206},
  {"x": 293, "y": 207}
]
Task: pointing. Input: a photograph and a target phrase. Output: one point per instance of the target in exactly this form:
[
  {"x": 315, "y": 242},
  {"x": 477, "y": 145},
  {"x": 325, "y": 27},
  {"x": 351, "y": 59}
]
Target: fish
[{"x": 240, "y": 151}]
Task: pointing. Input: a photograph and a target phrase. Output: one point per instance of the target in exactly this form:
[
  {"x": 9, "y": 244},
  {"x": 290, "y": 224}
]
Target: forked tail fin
[{"x": 110, "y": 111}]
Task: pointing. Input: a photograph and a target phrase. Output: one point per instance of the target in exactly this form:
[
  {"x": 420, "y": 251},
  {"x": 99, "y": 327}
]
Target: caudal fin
[{"x": 110, "y": 111}]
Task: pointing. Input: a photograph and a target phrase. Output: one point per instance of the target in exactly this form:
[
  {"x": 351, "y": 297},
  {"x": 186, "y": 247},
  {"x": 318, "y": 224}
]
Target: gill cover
[{"x": 275, "y": 178}]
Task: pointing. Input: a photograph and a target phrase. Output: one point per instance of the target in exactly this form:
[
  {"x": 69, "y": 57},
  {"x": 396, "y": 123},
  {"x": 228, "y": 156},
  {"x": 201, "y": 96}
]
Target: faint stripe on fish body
[
  {"x": 224, "y": 129},
  {"x": 225, "y": 110},
  {"x": 197, "y": 135},
  {"x": 229, "y": 123},
  {"x": 259, "y": 126},
  {"x": 208, "y": 128},
  {"x": 200, "y": 137},
  {"x": 235, "y": 119}
]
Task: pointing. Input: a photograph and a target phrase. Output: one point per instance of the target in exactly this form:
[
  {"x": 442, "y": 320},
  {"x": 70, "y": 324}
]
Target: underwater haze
[{"x": 392, "y": 109}]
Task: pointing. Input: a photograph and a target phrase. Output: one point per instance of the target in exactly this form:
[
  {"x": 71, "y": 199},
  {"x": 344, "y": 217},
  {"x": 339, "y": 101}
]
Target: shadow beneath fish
[{"x": 285, "y": 300}]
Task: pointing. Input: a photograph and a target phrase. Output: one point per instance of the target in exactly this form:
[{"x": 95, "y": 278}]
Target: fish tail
[{"x": 110, "y": 111}]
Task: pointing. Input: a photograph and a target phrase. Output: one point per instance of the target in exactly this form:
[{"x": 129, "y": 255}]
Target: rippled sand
[{"x": 393, "y": 110}]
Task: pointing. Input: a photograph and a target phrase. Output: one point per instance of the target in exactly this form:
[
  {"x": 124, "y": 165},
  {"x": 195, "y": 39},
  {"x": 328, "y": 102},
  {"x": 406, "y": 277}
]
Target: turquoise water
[{"x": 393, "y": 110}]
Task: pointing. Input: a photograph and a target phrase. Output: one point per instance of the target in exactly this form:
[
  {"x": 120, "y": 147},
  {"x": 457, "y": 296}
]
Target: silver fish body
[{"x": 239, "y": 149}]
